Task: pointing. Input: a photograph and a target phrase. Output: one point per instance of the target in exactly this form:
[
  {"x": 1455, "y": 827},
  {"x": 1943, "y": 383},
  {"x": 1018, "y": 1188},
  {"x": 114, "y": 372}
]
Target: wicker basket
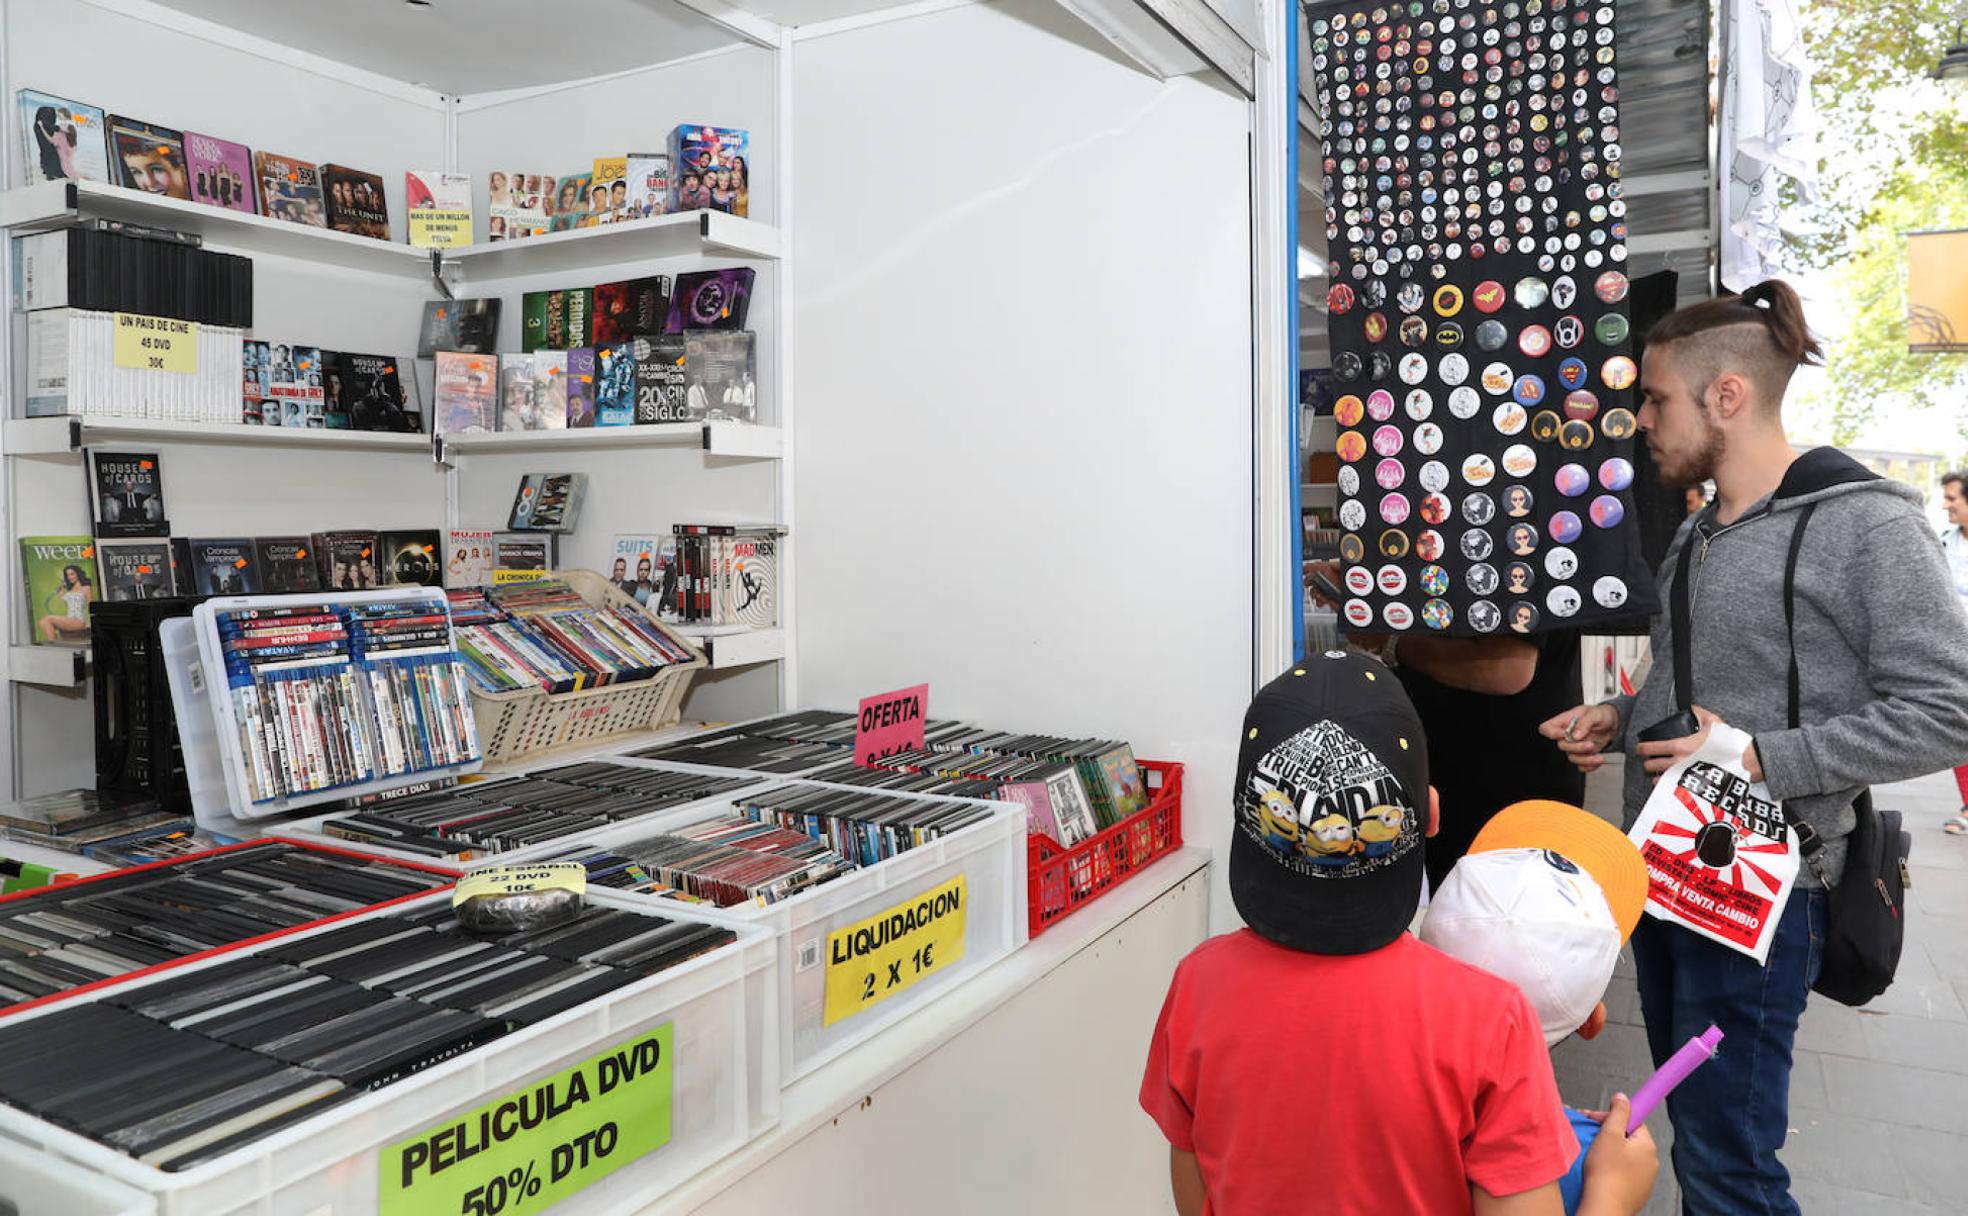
[{"x": 513, "y": 725}]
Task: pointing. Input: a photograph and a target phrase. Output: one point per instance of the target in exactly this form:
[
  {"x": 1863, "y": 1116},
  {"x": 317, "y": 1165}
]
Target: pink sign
[{"x": 890, "y": 722}]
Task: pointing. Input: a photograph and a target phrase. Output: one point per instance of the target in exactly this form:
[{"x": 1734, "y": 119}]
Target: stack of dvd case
[
  {"x": 471, "y": 821},
  {"x": 187, "y": 1069},
  {"x": 84, "y": 932},
  {"x": 542, "y": 634}
]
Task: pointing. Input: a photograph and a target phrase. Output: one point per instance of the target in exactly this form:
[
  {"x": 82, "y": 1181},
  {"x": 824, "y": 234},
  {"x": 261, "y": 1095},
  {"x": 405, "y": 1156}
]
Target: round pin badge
[
  {"x": 1610, "y": 287},
  {"x": 1448, "y": 335},
  {"x": 1388, "y": 440},
  {"x": 1564, "y": 290},
  {"x": 1544, "y": 426},
  {"x": 1618, "y": 424},
  {"x": 1523, "y": 617},
  {"x": 1528, "y": 391},
  {"x": 1350, "y": 446},
  {"x": 1419, "y": 404},
  {"x": 1491, "y": 336},
  {"x": 1375, "y": 327},
  {"x": 1380, "y": 405},
  {"x": 1476, "y": 544},
  {"x": 1565, "y": 527},
  {"x": 1359, "y": 613},
  {"x": 1394, "y": 508},
  {"x": 1582, "y": 404},
  {"x": 1478, "y": 469},
  {"x": 1497, "y": 378},
  {"x": 1521, "y": 540},
  {"x": 1436, "y": 614},
  {"x": 1454, "y": 368},
  {"x": 1380, "y": 365},
  {"x": 1352, "y": 513},
  {"x": 1351, "y": 547},
  {"x": 1519, "y": 460},
  {"x": 1391, "y": 579},
  {"x": 1414, "y": 332},
  {"x": 1519, "y": 578},
  {"x": 1414, "y": 368},
  {"x": 1434, "y": 580},
  {"x": 1428, "y": 439},
  {"x": 1448, "y": 300},
  {"x": 1616, "y": 474},
  {"x": 1609, "y": 592},
  {"x": 1348, "y": 410},
  {"x": 1572, "y": 373},
  {"x": 1339, "y": 299},
  {"x": 1393, "y": 543},
  {"x": 1484, "y": 617},
  {"x": 1562, "y": 601},
  {"x": 1410, "y": 297},
  {"x": 1572, "y": 480},
  {"x": 1509, "y": 418},
  {"x": 1531, "y": 292},
  {"x": 1481, "y": 577},
  {"x": 1434, "y": 477},
  {"x": 1488, "y": 296},
  {"x": 1346, "y": 366},
  {"x": 1359, "y": 580},
  {"x": 1429, "y": 545},
  {"x": 1607, "y": 511},
  {"x": 1398, "y": 616},
  {"x": 1389, "y": 474},
  {"x": 1619, "y": 372},
  {"x": 1478, "y": 508},
  {"x": 1535, "y": 341},
  {"x": 1611, "y": 329},
  {"x": 1561, "y": 563},
  {"x": 1349, "y": 479},
  {"x": 1567, "y": 331},
  {"x": 1575, "y": 436},
  {"x": 1464, "y": 402},
  {"x": 1434, "y": 509}
]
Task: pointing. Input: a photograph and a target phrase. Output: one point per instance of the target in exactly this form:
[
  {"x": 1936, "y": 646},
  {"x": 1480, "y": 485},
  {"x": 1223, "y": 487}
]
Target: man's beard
[{"x": 1696, "y": 465}]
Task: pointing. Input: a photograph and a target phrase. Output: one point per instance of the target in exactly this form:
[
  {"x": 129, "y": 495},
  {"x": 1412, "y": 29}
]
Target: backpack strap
[
  {"x": 1684, "y": 680},
  {"x": 1808, "y": 840}
]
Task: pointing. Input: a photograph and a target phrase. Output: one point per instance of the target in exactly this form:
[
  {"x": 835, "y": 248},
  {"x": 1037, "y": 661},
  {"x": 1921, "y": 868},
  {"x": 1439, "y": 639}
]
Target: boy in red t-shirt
[{"x": 1322, "y": 1060}]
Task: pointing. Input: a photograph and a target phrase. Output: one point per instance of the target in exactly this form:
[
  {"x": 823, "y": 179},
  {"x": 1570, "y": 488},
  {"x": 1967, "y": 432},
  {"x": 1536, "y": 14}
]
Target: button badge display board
[{"x": 1482, "y": 353}]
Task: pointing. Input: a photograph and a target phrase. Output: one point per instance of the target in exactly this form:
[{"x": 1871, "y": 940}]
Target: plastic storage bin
[
  {"x": 515, "y": 725},
  {"x": 35, "y": 1184},
  {"x": 1063, "y": 879},
  {"x": 988, "y": 857},
  {"x": 724, "y": 1091}
]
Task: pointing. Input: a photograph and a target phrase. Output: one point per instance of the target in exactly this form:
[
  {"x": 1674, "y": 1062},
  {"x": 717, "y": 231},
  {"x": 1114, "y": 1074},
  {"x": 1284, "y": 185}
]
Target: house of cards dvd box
[{"x": 317, "y": 1071}]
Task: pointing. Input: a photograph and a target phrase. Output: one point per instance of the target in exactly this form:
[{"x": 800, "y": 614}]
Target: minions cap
[{"x": 1331, "y": 807}]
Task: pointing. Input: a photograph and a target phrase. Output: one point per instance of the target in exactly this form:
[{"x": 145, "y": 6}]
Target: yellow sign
[
  {"x": 434, "y": 229},
  {"x": 512, "y": 879},
  {"x": 1937, "y": 291},
  {"x": 156, "y": 344},
  {"x": 524, "y": 1152},
  {"x": 874, "y": 959}
]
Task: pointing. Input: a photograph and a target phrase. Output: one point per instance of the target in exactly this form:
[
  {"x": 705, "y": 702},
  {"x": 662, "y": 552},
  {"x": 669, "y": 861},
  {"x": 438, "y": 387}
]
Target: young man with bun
[
  {"x": 1323, "y": 1060},
  {"x": 1882, "y": 653}
]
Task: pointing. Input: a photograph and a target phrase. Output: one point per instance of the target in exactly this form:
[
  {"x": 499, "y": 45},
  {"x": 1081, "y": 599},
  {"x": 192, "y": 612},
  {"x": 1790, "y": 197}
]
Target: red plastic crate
[{"x": 1064, "y": 879}]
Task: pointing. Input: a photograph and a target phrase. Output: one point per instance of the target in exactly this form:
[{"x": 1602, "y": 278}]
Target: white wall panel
[{"x": 1022, "y": 328}]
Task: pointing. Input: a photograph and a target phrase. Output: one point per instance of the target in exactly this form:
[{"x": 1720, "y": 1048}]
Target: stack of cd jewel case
[
  {"x": 329, "y": 693},
  {"x": 184, "y": 1070},
  {"x": 778, "y": 843},
  {"x": 487, "y": 817},
  {"x": 542, "y": 634},
  {"x": 78, "y": 933}
]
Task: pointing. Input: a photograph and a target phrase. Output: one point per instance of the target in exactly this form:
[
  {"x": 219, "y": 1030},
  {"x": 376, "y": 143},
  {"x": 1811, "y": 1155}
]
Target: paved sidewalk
[{"x": 1879, "y": 1096}]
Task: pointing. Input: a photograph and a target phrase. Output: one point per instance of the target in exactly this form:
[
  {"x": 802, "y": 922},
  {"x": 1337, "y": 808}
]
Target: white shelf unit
[
  {"x": 737, "y": 647},
  {"x": 48, "y": 666},
  {"x": 66, "y": 436},
  {"x": 739, "y": 440}
]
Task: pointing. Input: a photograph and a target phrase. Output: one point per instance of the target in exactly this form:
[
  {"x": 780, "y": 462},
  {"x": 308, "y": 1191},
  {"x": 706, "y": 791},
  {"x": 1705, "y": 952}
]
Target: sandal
[{"x": 1957, "y": 826}]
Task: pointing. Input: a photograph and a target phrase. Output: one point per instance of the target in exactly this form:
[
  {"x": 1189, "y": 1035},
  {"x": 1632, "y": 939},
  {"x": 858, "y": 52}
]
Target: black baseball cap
[{"x": 1331, "y": 807}]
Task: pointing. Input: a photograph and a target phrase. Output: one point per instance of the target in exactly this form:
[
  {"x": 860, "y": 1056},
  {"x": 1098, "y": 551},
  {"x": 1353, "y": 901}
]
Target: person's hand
[
  {"x": 1582, "y": 733},
  {"x": 1666, "y": 753},
  {"x": 1619, "y": 1169}
]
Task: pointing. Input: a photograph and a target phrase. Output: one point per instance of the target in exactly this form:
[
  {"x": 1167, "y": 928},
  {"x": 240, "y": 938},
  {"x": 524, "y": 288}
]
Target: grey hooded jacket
[{"x": 1882, "y": 644}]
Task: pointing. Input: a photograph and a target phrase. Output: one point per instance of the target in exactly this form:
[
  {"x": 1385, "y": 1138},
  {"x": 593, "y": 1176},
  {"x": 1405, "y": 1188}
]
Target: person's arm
[
  {"x": 1916, "y": 659},
  {"x": 1500, "y": 667},
  {"x": 1544, "y": 1201},
  {"x": 1186, "y": 1179},
  {"x": 1619, "y": 1169}
]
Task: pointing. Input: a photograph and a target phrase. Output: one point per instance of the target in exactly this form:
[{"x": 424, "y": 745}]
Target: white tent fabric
[{"x": 1768, "y": 130}]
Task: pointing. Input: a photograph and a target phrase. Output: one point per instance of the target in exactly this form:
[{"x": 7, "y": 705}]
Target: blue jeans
[{"x": 1731, "y": 1115}]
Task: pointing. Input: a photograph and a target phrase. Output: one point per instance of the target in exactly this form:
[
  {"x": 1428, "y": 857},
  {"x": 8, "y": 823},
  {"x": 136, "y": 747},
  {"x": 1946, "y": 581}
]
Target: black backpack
[{"x": 1866, "y": 925}]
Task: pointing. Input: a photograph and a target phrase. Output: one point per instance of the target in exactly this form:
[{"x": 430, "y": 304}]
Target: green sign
[{"x": 522, "y": 1153}]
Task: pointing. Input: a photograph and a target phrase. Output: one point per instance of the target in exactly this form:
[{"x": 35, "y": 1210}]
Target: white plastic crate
[
  {"x": 990, "y": 859},
  {"x": 725, "y": 1090},
  {"x": 36, "y": 1184}
]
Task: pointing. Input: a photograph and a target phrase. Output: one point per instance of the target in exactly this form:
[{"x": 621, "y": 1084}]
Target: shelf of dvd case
[
  {"x": 52, "y": 666},
  {"x": 67, "y": 434},
  {"x": 739, "y": 440},
  {"x": 54, "y": 859},
  {"x": 39, "y": 208},
  {"x": 735, "y": 645},
  {"x": 685, "y": 234}
]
